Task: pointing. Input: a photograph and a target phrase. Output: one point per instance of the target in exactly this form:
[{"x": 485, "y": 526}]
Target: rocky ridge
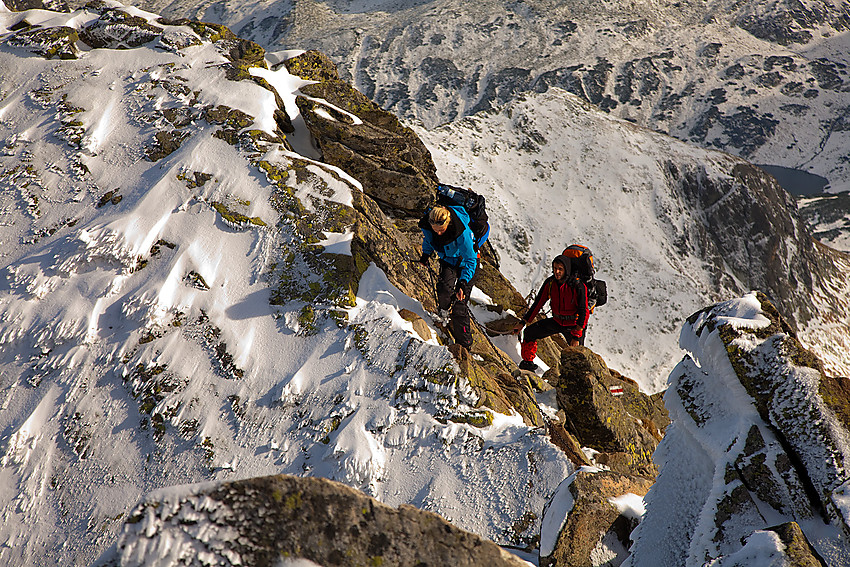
[
  {"x": 760, "y": 432},
  {"x": 265, "y": 520}
]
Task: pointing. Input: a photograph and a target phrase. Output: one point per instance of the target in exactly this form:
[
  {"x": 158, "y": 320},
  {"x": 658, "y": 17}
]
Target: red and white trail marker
[{"x": 616, "y": 390}]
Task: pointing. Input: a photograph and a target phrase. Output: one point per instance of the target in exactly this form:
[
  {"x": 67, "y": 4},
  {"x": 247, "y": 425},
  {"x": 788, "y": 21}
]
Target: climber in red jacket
[{"x": 568, "y": 298}]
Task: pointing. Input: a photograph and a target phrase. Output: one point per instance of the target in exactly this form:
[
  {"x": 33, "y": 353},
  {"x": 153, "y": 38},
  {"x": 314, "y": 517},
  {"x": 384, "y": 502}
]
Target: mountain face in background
[{"x": 763, "y": 80}]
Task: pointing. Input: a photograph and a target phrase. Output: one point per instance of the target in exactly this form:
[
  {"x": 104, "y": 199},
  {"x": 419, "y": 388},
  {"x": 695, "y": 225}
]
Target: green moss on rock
[
  {"x": 479, "y": 418},
  {"x": 59, "y": 41},
  {"x": 235, "y": 219}
]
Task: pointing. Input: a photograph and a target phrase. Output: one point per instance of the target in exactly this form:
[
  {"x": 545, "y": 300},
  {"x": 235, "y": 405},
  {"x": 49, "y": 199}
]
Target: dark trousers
[
  {"x": 546, "y": 328},
  {"x": 446, "y": 290},
  {"x": 542, "y": 329}
]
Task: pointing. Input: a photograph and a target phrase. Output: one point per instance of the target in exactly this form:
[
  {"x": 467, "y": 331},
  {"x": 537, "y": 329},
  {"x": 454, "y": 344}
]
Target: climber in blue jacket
[{"x": 446, "y": 231}]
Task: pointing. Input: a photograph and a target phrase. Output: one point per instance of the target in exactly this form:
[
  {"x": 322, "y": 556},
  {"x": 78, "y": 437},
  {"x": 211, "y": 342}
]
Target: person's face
[
  {"x": 559, "y": 271},
  {"x": 439, "y": 229}
]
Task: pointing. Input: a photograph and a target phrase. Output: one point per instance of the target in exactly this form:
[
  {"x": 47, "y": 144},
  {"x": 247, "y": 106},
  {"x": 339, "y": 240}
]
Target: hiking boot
[{"x": 528, "y": 365}]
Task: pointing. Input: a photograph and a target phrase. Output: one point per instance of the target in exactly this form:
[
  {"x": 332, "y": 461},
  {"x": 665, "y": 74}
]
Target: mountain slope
[{"x": 763, "y": 80}]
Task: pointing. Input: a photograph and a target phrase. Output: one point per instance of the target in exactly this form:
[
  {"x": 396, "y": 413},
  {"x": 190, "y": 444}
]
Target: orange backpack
[{"x": 581, "y": 259}]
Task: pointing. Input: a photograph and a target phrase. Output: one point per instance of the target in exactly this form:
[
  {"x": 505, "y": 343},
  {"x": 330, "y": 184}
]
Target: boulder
[
  {"x": 280, "y": 519},
  {"x": 521, "y": 395},
  {"x": 377, "y": 240},
  {"x": 370, "y": 144},
  {"x": 562, "y": 439},
  {"x": 623, "y": 427},
  {"x": 419, "y": 325},
  {"x": 590, "y": 517},
  {"x": 798, "y": 551}
]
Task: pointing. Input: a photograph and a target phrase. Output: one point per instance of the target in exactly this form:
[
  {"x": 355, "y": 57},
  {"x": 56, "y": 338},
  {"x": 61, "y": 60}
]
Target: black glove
[{"x": 424, "y": 259}]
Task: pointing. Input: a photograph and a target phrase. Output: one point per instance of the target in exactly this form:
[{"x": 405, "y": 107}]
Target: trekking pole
[{"x": 433, "y": 281}]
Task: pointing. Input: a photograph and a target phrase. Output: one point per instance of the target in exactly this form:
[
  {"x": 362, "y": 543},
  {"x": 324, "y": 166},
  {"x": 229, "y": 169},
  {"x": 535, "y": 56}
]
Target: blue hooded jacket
[{"x": 460, "y": 252}]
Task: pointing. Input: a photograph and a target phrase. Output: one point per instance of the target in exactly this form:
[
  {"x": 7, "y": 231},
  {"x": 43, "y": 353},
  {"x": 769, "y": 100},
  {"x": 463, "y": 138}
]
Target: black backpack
[
  {"x": 581, "y": 259},
  {"x": 449, "y": 195}
]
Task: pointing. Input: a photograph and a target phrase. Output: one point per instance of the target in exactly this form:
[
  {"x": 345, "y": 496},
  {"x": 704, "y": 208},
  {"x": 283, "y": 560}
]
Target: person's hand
[
  {"x": 573, "y": 341},
  {"x": 460, "y": 287},
  {"x": 423, "y": 259}
]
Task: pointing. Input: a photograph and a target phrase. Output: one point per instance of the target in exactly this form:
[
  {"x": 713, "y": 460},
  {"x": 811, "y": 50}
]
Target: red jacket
[{"x": 568, "y": 301}]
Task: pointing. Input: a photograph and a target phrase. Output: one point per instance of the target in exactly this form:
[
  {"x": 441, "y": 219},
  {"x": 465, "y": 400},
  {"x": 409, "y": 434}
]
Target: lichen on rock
[{"x": 48, "y": 42}]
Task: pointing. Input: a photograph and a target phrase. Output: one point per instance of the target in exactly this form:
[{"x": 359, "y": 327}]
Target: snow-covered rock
[
  {"x": 269, "y": 520},
  {"x": 759, "y": 438}
]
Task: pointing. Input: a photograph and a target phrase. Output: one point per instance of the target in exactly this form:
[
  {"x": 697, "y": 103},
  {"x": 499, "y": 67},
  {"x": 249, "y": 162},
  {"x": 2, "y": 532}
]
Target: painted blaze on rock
[{"x": 625, "y": 429}]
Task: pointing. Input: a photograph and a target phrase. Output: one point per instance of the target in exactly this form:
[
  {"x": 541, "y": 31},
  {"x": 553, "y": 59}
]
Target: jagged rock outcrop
[
  {"x": 746, "y": 219},
  {"x": 590, "y": 518},
  {"x": 365, "y": 141},
  {"x": 496, "y": 388},
  {"x": 267, "y": 520},
  {"x": 116, "y": 29},
  {"x": 829, "y": 214},
  {"x": 806, "y": 410},
  {"x": 798, "y": 552},
  {"x": 608, "y": 413},
  {"x": 21, "y": 5},
  {"x": 758, "y": 432}
]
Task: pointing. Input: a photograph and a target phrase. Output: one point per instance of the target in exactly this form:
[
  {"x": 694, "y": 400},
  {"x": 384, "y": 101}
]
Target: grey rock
[
  {"x": 626, "y": 431},
  {"x": 263, "y": 521},
  {"x": 595, "y": 527},
  {"x": 390, "y": 161},
  {"x": 116, "y": 29}
]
